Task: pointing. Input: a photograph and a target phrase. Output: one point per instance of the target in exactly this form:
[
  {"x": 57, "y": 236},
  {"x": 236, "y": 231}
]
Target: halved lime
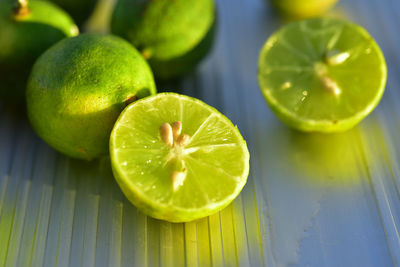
[
  {"x": 176, "y": 158},
  {"x": 322, "y": 75}
]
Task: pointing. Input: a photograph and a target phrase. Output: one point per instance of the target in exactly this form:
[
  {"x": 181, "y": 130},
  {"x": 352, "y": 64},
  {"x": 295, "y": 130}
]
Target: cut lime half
[
  {"x": 322, "y": 75},
  {"x": 176, "y": 158}
]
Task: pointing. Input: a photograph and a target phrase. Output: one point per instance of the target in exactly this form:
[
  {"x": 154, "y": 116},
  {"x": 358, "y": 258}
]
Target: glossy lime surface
[
  {"x": 174, "y": 35},
  {"x": 23, "y": 38},
  {"x": 78, "y": 88}
]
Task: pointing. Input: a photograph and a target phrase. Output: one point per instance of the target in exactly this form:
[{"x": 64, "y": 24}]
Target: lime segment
[
  {"x": 176, "y": 158},
  {"x": 322, "y": 75}
]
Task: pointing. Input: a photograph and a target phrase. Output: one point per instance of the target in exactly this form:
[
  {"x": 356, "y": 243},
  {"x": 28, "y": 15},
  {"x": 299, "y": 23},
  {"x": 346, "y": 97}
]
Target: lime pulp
[
  {"x": 322, "y": 75},
  {"x": 176, "y": 158}
]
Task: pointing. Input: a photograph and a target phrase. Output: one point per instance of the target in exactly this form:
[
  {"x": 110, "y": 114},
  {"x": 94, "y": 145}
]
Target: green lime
[
  {"x": 173, "y": 35},
  {"x": 25, "y": 33},
  {"x": 80, "y": 10},
  {"x": 322, "y": 75},
  {"x": 78, "y": 88},
  {"x": 176, "y": 158},
  {"x": 303, "y": 8}
]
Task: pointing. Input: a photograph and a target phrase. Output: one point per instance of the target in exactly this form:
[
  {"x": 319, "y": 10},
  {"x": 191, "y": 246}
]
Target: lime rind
[
  {"x": 293, "y": 119},
  {"x": 78, "y": 88},
  {"x": 174, "y": 36},
  {"x": 47, "y": 13},
  {"x": 166, "y": 209}
]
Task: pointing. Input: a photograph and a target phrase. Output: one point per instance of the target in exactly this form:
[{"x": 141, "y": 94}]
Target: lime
[
  {"x": 303, "y": 8},
  {"x": 78, "y": 88},
  {"x": 176, "y": 158},
  {"x": 80, "y": 10},
  {"x": 174, "y": 35},
  {"x": 25, "y": 33},
  {"x": 322, "y": 75}
]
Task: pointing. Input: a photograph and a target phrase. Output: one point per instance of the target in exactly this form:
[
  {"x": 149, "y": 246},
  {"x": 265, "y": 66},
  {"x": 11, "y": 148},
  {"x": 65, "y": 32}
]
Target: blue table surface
[{"x": 311, "y": 200}]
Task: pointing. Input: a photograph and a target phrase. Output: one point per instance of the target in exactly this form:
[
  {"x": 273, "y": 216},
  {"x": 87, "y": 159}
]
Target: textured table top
[{"x": 311, "y": 200}]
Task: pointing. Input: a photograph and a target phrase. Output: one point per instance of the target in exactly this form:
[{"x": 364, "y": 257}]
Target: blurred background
[{"x": 311, "y": 199}]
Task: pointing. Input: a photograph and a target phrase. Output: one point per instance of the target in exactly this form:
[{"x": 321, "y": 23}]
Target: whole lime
[
  {"x": 80, "y": 10},
  {"x": 25, "y": 33},
  {"x": 173, "y": 35},
  {"x": 78, "y": 88},
  {"x": 303, "y": 8}
]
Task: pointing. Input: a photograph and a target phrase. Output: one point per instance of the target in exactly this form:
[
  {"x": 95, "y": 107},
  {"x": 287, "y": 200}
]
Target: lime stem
[
  {"x": 131, "y": 100},
  {"x": 22, "y": 8},
  {"x": 146, "y": 53},
  {"x": 23, "y": 3}
]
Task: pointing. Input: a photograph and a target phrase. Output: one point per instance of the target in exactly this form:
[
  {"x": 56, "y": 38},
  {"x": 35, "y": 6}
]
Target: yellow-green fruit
[
  {"x": 24, "y": 36},
  {"x": 322, "y": 74},
  {"x": 176, "y": 158},
  {"x": 303, "y": 8},
  {"x": 173, "y": 35},
  {"x": 78, "y": 88}
]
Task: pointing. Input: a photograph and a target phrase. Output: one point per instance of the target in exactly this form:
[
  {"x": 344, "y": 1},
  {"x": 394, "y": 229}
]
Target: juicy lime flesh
[
  {"x": 214, "y": 162},
  {"x": 322, "y": 74}
]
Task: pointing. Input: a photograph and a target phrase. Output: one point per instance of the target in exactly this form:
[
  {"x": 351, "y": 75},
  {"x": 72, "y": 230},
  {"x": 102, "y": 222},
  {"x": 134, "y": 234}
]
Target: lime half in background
[
  {"x": 303, "y": 8},
  {"x": 322, "y": 75},
  {"x": 176, "y": 158}
]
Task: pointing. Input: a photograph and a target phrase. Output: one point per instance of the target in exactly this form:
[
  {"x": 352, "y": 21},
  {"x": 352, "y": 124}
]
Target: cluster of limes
[
  {"x": 166, "y": 149},
  {"x": 174, "y": 157}
]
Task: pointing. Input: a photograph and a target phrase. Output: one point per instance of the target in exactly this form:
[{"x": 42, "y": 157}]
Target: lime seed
[
  {"x": 166, "y": 134},
  {"x": 331, "y": 86},
  {"x": 176, "y": 129},
  {"x": 334, "y": 58}
]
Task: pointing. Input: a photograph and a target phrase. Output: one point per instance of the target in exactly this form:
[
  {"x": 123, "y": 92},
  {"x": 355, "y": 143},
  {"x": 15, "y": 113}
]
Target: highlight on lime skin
[
  {"x": 172, "y": 44},
  {"x": 105, "y": 73},
  {"x": 322, "y": 75},
  {"x": 27, "y": 29}
]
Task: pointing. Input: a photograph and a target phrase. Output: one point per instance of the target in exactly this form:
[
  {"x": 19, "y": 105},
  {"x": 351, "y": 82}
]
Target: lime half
[
  {"x": 322, "y": 75},
  {"x": 176, "y": 158}
]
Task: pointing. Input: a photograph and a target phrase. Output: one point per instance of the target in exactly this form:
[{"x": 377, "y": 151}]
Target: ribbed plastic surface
[{"x": 311, "y": 200}]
